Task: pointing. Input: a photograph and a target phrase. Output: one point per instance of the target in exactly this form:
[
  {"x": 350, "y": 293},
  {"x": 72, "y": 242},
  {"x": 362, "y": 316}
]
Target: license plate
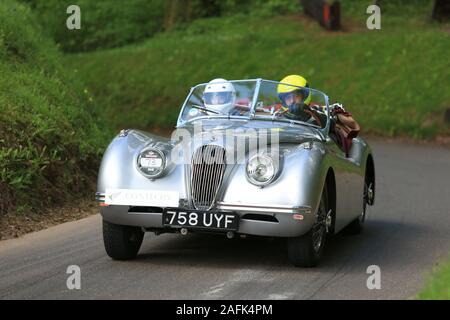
[{"x": 200, "y": 219}]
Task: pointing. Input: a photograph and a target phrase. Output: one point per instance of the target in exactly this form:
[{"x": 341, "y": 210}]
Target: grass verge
[
  {"x": 438, "y": 286},
  {"x": 50, "y": 142}
]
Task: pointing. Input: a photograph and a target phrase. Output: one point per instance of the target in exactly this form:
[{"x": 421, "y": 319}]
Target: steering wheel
[{"x": 279, "y": 112}]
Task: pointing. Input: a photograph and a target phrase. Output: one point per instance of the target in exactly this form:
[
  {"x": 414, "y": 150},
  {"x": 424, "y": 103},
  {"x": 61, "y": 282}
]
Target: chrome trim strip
[
  {"x": 145, "y": 213},
  {"x": 259, "y": 208},
  {"x": 255, "y": 98},
  {"x": 100, "y": 197}
]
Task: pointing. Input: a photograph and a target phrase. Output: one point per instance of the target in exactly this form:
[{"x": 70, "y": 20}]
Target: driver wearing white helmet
[{"x": 220, "y": 96}]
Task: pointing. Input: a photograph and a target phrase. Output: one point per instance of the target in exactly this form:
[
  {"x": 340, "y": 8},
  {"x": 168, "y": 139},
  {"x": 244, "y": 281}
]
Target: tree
[
  {"x": 177, "y": 11},
  {"x": 183, "y": 11}
]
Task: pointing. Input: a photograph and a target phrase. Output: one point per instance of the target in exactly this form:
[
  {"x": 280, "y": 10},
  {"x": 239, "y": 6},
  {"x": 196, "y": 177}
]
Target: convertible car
[{"x": 237, "y": 164}]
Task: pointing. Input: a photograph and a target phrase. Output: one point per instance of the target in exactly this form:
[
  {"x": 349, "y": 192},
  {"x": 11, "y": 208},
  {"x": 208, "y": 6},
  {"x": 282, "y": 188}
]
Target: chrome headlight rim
[
  {"x": 276, "y": 169},
  {"x": 163, "y": 165}
]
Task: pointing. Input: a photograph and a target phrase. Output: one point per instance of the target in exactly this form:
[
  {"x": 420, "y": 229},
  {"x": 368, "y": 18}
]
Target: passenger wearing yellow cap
[
  {"x": 295, "y": 96},
  {"x": 296, "y": 102}
]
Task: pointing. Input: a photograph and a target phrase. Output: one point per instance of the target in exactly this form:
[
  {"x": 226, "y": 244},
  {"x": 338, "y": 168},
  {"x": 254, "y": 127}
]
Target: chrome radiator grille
[{"x": 208, "y": 168}]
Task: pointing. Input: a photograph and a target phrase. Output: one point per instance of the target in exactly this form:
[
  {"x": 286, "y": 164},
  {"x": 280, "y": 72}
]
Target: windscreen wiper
[{"x": 208, "y": 110}]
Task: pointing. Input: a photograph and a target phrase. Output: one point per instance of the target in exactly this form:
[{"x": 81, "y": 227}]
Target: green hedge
[
  {"x": 50, "y": 144},
  {"x": 104, "y": 24},
  {"x": 111, "y": 23}
]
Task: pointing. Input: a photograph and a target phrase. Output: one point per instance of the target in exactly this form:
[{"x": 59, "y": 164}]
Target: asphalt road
[{"x": 407, "y": 232}]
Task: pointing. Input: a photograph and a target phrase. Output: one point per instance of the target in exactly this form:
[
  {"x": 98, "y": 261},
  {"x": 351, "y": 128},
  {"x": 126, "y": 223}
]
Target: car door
[{"x": 349, "y": 183}]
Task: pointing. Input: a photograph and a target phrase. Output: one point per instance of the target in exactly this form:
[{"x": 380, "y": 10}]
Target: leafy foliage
[
  {"x": 49, "y": 140},
  {"x": 111, "y": 23},
  {"x": 104, "y": 24}
]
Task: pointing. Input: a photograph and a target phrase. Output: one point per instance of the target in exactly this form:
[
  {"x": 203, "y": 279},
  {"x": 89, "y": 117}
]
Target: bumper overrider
[{"x": 254, "y": 219}]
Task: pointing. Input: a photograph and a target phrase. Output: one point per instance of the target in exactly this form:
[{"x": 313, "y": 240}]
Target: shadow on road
[{"x": 381, "y": 239}]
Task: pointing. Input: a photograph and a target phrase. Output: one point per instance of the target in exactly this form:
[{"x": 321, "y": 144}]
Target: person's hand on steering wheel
[{"x": 280, "y": 112}]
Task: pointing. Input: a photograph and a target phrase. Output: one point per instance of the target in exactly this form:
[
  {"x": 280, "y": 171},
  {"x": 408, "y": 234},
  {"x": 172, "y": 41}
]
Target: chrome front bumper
[{"x": 274, "y": 220}]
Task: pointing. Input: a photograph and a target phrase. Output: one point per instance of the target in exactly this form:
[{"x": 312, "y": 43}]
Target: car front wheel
[
  {"x": 306, "y": 250},
  {"x": 121, "y": 242}
]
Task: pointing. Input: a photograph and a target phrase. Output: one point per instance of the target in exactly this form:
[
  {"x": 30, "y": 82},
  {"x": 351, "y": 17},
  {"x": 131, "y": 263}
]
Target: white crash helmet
[{"x": 219, "y": 95}]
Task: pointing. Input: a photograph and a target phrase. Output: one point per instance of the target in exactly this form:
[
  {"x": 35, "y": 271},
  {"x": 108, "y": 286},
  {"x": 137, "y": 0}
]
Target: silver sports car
[{"x": 240, "y": 162}]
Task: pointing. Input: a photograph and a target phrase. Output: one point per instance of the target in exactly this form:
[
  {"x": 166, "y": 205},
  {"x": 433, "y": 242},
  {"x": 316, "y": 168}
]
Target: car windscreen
[
  {"x": 228, "y": 98},
  {"x": 283, "y": 102},
  {"x": 260, "y": 99}
]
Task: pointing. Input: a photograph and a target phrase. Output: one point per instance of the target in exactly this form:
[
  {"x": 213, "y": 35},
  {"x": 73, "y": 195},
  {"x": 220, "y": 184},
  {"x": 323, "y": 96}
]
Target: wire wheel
[
  {"x": 320, "y": 226},
  {"x": 306, "y": 250}
]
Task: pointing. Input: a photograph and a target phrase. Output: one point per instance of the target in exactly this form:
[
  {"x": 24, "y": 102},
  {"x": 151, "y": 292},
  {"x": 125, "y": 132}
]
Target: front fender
[
  {"x": 118, "y": 169},
  {"x": 300, "y": 183}
]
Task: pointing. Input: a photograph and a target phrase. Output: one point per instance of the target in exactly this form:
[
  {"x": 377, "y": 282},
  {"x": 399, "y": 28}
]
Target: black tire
[
  {"x": 121, "y": 242},
  {"x": 304, "y": 251},
  {"x": 357, "y": 226}
]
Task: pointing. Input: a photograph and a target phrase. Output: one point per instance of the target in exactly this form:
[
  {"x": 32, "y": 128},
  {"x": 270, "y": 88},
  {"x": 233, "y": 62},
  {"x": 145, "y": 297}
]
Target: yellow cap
[{"x": 288, "y": 82}]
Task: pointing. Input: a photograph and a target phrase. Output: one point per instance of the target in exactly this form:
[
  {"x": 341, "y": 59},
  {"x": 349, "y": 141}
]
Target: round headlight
[
  {"x": 151, "y": 162},
  {"x": 261, "y": 169}
]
